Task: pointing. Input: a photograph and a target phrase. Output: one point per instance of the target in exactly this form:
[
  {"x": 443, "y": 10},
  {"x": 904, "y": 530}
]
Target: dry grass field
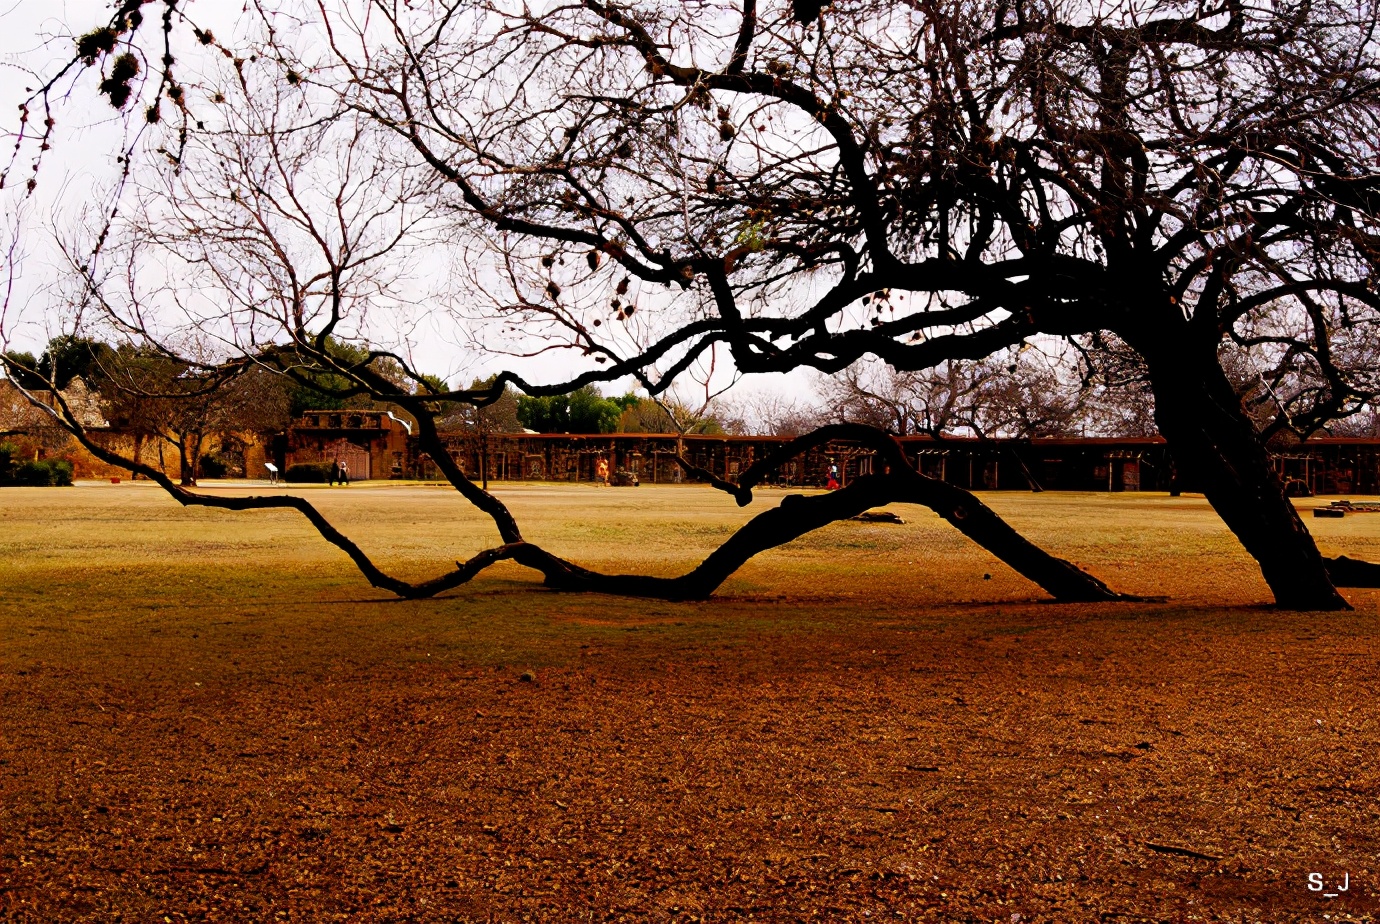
[{"x": 210, "y": 716}]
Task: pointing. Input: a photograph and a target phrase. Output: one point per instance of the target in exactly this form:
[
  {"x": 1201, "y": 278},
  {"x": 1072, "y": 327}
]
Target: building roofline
[
  {"x": 925, "y": 439},
  {"x": 739, "y": 438}
]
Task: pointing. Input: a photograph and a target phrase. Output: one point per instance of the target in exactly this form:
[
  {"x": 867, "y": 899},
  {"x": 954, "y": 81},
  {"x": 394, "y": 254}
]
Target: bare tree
[
  {"x": 1185, "y": 177},
  {"x": 881, "y": 397},
  {"x": 1365, "y": 424},
  {"x": 806, "y": 186},
  {"x": 275, "y": 240},
  {"x": 773, "y": 414},
  {"x": 153, "y": 395},
  {"x": 1117, "y": 399},
  {"x": 499, "y": 417},
  {"x": 1004, "y": 396}
]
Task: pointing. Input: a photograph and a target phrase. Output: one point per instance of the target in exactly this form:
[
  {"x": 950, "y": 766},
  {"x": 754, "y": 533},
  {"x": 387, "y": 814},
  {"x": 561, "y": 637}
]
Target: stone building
[
  {"x": 1065, "y": 464},
  {"x": 377, "y": 444},
  {"x": 38, "y": 436},
  {"x": 371, "y": 444}
]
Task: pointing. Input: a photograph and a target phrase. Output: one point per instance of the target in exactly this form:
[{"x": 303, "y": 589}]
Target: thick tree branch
[{"x": 899, "y": 482}]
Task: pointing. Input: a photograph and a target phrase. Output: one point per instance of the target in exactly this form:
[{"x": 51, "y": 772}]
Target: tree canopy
[{"x": 584, "y": 410}]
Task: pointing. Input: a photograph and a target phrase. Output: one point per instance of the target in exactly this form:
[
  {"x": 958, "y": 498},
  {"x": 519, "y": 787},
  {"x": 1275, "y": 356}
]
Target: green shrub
[
  {"x": 33, "y": 474},
  {"x": 62, "y": 473},
  {"x": 43, "y": 474},
  {"x": 212, "y": 467},
  {"x": 7, "y": 454},
  {"x": 308, "y": 473}
]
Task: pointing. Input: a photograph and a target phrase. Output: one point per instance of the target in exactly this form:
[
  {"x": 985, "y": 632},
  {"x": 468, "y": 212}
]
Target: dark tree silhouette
[
  {"x": 1189, "y": 177},
  {"x": 805, "y": 185}
]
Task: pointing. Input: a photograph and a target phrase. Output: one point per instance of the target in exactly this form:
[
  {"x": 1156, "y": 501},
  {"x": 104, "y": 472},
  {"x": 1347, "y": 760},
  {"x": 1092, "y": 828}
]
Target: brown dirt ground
[{"x": 208, "y": 716}]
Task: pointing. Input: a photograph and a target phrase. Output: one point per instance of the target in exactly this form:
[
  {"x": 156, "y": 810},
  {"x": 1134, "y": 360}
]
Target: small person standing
[
  {"x": 601, "y": 471},
  {"x": 833, "y": 484},
  {"x": 344, "y": 474}
]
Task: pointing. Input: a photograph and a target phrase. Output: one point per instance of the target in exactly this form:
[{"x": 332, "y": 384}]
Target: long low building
[
  {"x": 379, "y": 445},
  {"x": 1075, "y": 465}
]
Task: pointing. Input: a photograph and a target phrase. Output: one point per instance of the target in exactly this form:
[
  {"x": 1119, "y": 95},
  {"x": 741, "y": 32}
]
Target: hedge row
[
  {"x": 309, "y": 472},
  {"x": 57, "y": 473}
]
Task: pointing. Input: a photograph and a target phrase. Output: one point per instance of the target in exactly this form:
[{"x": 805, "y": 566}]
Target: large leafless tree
[
  {"x": 924, "y": 182},
  {"x": 1007, "y": 396},
  {"x": 803, "y": 186}
]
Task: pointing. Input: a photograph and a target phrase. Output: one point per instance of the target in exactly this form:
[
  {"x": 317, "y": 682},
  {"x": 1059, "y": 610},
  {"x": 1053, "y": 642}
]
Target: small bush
[
  {"x": 33, "y": 474},
  {"x": 62, "y": 473},
  {"x": 308, "y": 473},
  {"x": 43, "y": 474},
  {"x": 212, "y": 467},
  {"x": 7, "y": 454}
]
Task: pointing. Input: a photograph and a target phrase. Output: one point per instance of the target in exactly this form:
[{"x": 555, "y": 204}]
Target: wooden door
[{"x": 355, "y": 458}]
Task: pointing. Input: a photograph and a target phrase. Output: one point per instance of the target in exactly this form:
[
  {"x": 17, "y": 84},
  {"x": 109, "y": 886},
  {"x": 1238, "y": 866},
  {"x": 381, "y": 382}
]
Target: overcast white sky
[{"x": 35, "y": 36}]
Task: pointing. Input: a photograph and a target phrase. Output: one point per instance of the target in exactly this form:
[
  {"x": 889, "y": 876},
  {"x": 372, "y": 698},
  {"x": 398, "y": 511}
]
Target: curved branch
[
  {"x": 796, "y": 516},
  {"x": 900, "y": 483}
]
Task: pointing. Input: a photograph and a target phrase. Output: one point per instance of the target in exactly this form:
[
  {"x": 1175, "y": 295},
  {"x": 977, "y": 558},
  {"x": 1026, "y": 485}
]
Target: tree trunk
[
  {"x": 1217, "y": 450},
  {"x": 189, "y": 452}
]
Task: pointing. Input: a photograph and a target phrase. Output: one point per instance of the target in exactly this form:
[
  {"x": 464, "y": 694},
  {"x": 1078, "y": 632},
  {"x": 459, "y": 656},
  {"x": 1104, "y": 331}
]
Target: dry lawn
[{"x": 210, "y": 716}]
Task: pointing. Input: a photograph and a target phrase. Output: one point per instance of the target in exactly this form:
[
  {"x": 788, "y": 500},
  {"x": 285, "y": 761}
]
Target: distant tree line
[
  {"x": 587, "y": 410},
  {"x": 151, "y": 395},
  {"x": 1024, "y": 394}
]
